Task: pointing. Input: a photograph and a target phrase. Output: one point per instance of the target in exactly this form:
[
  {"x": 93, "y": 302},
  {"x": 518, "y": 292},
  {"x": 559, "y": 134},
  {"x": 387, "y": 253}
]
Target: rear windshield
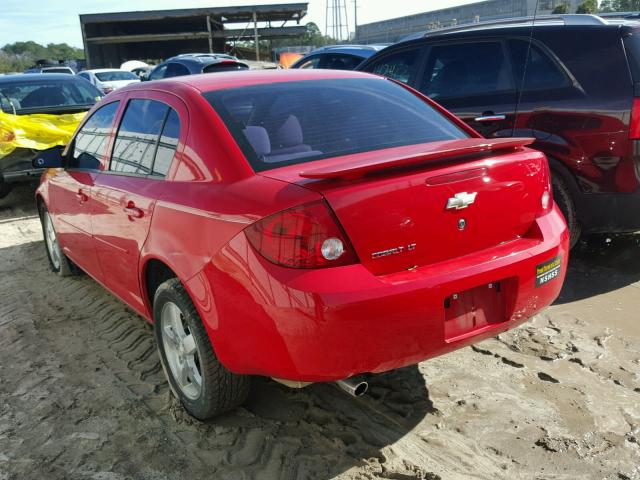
[
  {"x": 115, "y": 76},
  {"x": 296, "y": 122},
  {"x": 46, "y": 95},
  {"x": 57, "y": 70},
  {"x": 224, "y": 67}
]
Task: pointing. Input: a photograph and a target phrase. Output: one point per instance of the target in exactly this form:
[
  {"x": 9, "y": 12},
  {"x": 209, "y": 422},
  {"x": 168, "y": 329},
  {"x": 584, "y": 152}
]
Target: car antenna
[{"x": 524, "y": 71}]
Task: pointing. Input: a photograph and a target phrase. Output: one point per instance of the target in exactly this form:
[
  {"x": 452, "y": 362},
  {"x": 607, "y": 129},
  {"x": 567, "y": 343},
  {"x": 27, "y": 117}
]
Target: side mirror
[{"x": 49, "y": 158}]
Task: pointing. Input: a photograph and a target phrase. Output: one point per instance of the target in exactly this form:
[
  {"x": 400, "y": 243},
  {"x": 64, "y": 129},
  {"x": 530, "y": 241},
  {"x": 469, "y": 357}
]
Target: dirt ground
[{"x": 82, "y": 395}]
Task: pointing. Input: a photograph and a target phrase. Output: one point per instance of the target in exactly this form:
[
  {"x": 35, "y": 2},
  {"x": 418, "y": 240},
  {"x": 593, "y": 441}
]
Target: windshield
[
  {"x": 115, "y": 76},
  {"x": 295, "y": 122},
  {"x": 47, "y": 95}
]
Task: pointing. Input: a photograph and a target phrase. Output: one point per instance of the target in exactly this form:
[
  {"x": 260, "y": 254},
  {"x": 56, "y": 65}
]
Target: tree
[
  {"x": 561, "y": 9},
  {"x": 18, "y": 56},
  {"x": 588, "y": 6}
]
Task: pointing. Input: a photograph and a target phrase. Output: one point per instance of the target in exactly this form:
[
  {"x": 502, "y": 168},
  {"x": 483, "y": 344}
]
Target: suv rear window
[{"x": 295, "y": 122}]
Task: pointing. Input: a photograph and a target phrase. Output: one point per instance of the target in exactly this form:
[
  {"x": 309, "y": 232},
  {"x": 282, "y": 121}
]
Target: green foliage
[
  {"x": 313, "y": 37},
  {"x": 18, "y": 56},
  {"x": 607, "y": 6},
  {"x": 561, "y": 9},
  {"x": 588, "y": 6}
]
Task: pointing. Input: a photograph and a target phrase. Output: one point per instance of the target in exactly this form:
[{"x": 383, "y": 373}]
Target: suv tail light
[
  {"x": 307, "y": 236},
  {"x": 634, "y": 124},
  {"x": 546, "y": 199}
]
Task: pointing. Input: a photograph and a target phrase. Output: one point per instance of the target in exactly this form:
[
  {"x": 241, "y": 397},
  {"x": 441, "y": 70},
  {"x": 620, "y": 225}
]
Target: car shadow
[
  {"x": 599, "y": 265},
  {"x": 20, "y": 202}
]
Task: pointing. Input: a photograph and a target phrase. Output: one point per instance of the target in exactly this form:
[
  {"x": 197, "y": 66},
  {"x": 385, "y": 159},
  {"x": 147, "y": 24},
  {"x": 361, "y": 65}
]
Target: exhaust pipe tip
[{"x": 353, "y": 386}]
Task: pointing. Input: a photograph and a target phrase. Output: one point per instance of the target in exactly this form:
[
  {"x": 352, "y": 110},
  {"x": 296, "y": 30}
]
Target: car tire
[
  {"x": 196, "y": 377},
  {"x": 563, "y": 199},
  {"x": 58, "y": 261}
]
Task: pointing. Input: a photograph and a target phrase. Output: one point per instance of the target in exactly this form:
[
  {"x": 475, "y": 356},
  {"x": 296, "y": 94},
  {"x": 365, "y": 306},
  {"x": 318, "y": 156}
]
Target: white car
[{"x": 109, "y": 79}]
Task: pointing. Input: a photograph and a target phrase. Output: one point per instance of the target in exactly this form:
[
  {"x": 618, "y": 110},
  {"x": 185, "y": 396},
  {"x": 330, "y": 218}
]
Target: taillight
[
  {"x": 634, "y": 124},
  {"x": 307, "y": 236},
  {"x": 546, "y": 198}
]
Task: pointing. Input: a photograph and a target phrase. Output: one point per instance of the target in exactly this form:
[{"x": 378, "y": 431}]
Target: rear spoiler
[{"x": 432, "y": 152}]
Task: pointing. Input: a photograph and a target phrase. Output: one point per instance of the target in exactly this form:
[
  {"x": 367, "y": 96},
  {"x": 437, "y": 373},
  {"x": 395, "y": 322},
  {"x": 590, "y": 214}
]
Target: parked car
[
  {"x": 109, "y": 79},
  {"x": 265, "y": 221},
  {"x": 38, "y": 93},
  {"x": 194, "y": 63},
  {"x": 142, "y": 72},
  {"x": 337, "y": 57},
  {"x": 571, "y": 82},
  {"x": 60, "y": 69}
]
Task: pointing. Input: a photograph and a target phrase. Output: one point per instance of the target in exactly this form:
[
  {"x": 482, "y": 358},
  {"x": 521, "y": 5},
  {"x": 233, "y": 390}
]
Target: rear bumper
[
  {"x": 329, "y": 324},
  {"x": 609, "y": 212}
]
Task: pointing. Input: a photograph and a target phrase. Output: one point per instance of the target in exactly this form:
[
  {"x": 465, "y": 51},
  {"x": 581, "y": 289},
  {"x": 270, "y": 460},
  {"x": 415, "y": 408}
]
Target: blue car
[
  {"x": 338, "y": 57},
  {"x": 195, "y": 63}
]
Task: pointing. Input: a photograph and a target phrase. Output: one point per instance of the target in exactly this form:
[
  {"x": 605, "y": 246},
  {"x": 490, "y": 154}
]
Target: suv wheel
[
  {"x": 196, "y": 377},
  {"x": 562, "y": 197},
  {"x": 58, "y": 261}
]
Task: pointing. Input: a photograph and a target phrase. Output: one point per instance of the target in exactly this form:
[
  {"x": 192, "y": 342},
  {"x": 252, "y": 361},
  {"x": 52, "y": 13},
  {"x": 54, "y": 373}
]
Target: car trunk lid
[{"x": 408, "y": 207}]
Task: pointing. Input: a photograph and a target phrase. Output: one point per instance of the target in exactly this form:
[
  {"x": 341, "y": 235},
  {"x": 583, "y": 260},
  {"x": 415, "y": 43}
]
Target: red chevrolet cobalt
[{"x": 308, "y": 226}]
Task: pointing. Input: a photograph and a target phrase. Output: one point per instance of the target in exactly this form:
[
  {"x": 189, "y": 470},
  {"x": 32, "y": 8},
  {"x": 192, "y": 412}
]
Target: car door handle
[
  {"x": 490, "y": 118},
  {"x": 132, "y": 211},
  {"x": 82, "y": 197}
]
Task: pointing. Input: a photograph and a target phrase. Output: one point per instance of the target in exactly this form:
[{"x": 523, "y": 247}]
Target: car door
[
  {"x": 70, "y": 193},
  {"x": 472, "y": 79},
  {"x": 126, "y": 192}
]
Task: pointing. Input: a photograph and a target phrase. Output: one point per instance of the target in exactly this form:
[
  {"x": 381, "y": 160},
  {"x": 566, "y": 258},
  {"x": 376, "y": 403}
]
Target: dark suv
[{"x": 572, "y": 82}]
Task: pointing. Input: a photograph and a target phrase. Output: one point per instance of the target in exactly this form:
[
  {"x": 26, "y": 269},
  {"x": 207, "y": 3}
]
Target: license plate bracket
[{"x": 474, "y": 309}]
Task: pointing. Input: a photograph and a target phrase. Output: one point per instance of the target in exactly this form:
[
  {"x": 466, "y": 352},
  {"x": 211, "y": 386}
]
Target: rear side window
[
  {"x": 175, "y": 70},
  {"x": 90, "y": 144},
  {"x": 542, "y": 71},
  {"x": 459, "y": 70},
  {"x": 341, "y": 62},
  {"x": 400, "y": 66},
  {"x": 288, "y": 123},
  {"x": 632, "y": 46},
  {"x": 138, "y": 138},
  {"x": 311, "y": 62}
]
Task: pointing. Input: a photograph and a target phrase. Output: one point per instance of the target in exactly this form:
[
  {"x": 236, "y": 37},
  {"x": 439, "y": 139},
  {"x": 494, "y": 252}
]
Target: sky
[{"x": 56, "y": 21}]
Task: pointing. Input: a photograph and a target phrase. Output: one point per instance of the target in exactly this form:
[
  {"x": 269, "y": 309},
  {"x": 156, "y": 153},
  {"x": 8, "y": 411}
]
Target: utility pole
[{"x": 355, "y": 20}]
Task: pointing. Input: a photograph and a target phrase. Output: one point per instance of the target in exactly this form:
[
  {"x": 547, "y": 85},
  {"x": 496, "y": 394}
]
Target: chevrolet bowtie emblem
[{"x": 461, "y": 200}]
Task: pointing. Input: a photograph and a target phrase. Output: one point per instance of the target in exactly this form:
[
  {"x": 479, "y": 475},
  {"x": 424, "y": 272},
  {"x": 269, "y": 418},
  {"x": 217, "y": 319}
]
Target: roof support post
[
  {"x": 255, "y": 35},
  {"x": 210, "y": 35}
]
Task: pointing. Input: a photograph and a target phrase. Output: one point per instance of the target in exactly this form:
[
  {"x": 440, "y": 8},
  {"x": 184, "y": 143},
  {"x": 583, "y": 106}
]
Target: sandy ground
[{"x": 82, "y": 394}]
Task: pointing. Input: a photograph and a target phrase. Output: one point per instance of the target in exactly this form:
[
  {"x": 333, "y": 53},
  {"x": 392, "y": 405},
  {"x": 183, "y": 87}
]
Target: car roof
[
  {"x": 100, "y": 70},
  {"x": 38, "y": 77},
  {"x": 243, "y": 78},
  {"x": 569, "y": 20},
  {"x": 360, "y": 50}
]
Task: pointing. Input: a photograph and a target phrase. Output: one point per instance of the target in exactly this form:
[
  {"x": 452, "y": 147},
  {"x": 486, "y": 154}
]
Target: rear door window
[
  {"x": 401, "y": 66},
  {"x": 90, "y": 144},
  {"x": 138, "y": 137},
  {"x": 542, "y": 72},
  {"x": 464, "y": 69}
]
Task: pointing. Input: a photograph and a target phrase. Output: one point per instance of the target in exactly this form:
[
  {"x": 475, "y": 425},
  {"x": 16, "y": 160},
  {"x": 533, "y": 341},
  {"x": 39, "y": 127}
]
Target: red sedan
[{"x": 308, "y": 226}]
